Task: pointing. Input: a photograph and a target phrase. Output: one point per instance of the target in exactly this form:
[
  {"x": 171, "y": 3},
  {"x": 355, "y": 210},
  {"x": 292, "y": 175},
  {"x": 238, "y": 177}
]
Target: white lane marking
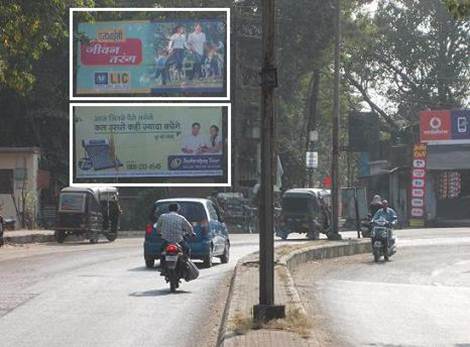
[{"x": 433, "y": 241}]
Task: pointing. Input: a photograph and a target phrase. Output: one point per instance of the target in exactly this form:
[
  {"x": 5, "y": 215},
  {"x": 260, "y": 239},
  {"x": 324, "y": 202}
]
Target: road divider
[{"x": 238, "y": 329}]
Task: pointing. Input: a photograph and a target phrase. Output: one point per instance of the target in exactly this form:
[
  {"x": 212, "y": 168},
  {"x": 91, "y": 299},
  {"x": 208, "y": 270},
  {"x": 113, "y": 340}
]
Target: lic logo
[{"x": 101, "y": 78}]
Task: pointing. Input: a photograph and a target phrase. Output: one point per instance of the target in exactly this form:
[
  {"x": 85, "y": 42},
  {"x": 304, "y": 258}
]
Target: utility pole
[
  {"x": 334, "y": 232},
  {"x": 266, "y": 310}
]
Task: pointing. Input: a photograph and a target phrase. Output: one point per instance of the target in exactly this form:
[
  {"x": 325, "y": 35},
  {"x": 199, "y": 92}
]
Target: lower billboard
[{"x": 170, "y": 144}]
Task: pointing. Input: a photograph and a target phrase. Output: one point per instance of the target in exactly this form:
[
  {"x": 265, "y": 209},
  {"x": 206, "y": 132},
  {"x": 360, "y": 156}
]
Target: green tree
[{"x": 413, "y": 55}]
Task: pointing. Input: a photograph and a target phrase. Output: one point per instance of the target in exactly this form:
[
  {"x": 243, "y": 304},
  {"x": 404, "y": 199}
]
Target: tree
[
  {"x": 413, "y": 55},
  {"x": 458, "y": 8}
]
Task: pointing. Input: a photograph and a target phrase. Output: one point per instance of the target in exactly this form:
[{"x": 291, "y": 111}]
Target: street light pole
[
  {"x": 334, "y": 234},
  {"x": 266, "y": 310}
]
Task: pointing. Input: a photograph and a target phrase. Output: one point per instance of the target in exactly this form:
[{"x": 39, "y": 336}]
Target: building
[{"x": 20, "y": 182}]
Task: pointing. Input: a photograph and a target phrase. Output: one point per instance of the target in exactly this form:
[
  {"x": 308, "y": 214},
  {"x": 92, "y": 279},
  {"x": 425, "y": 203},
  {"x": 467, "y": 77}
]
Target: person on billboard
[
  {"x": 161, "y": 69},
  {"x": 196, "y": 43},
  {"x": 194, "y": 143},
  {"x": 176, "y": 48},
  {"x": 215, "y": 140}
]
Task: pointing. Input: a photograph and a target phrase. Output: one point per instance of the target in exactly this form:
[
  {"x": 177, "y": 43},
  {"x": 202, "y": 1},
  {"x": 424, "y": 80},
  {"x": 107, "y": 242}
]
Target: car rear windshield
[
  {"x": 296, "y": 204},
  {"x": 194, "y": 212}
]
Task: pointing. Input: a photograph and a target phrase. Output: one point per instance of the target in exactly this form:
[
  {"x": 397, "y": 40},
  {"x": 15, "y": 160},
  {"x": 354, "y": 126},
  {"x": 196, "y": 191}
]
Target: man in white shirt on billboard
[
  {"x": 194, "y": 143},
  {"x": 196, "y": 42}
]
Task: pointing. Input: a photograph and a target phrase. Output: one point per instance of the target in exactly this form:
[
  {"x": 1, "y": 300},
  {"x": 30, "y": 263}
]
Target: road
[
  {"x": 78, "y": 294},
  {"x": 420, "y": 298}
]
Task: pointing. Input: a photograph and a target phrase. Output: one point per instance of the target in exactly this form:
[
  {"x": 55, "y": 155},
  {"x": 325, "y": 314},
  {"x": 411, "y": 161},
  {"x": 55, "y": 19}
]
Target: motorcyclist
[
  {"x": 173, "y": 227},
  {"x": 387, "y": 213}
]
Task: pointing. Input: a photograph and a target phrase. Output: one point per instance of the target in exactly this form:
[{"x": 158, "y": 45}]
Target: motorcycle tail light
[
  {"x": 171, "y": 249},
  {"x": 148, "y": 229}
]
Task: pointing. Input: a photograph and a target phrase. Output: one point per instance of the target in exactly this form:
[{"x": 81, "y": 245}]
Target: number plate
[{"x": 171, "y": 258}]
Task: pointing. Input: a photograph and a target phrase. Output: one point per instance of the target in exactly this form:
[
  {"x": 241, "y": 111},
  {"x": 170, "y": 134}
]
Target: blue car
[{"x": 212, "y": 239}]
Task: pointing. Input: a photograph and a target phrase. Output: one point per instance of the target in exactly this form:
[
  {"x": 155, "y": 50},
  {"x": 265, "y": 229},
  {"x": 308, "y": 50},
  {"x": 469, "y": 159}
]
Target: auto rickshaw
[
  {"x": 305, "y": 210},
  {"x": 88, "y": 212}
]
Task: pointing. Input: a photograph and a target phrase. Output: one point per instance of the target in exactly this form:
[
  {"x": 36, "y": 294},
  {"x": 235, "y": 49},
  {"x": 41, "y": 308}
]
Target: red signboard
[
  {"x": 327, "y": 182},
  {"x": 127, "y": 52},
  {"x": 418, "y": 182},
  {"x": 435, "y": 126}
]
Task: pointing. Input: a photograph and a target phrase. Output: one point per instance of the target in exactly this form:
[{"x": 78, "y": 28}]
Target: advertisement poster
[
  {"x": 148, "y": 141},
  {"x": 156, "y": 58},
  {"x": 445, "y": 126},
  {"x": 418, "y": 186}
]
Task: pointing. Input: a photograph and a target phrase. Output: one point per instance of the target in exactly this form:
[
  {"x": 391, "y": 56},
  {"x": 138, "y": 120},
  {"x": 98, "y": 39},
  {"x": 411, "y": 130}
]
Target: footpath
[
  {"x": 297, "y": 329},
  {"x": 41, "y": 235}
]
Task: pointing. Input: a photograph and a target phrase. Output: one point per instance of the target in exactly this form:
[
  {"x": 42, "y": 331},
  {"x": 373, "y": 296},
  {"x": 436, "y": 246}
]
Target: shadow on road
[
  {"x": 157, "y": 292},
  {"x": 142, "y": 268}
]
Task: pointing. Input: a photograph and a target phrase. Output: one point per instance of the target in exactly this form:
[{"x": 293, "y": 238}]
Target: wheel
[
  {"x": 149, "y": 262},
  {"x": 173, "y": 281},
  {"x": 376, "y": 257},
  {"x": 111, "y": 236},
  {"x": 208, "y": 259},
  {"x": 226, "y": 256},
  {"x": 313, "y": 234},
  {"x": 386, "y": 255},
  {"x": 283, "y": 233},
  {"x": 59, "y": 236},
  {"x": 94, "y": 239}
]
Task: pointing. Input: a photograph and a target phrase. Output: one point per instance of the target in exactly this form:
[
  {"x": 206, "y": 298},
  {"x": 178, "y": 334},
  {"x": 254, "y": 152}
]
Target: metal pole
[
  {"x": 336, "y": 118},
  {"x": 266, "y": 309}
]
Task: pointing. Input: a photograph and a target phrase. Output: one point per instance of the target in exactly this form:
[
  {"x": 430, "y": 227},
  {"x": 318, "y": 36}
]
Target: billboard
[
  {"x": 170, "y": 57},
  {"x": 121, "y": 143},
  {"x": 445, "y": 126}
]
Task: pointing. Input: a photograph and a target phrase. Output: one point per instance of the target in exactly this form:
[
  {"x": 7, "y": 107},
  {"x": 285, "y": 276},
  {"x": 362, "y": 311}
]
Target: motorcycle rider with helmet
[{"x": 389, "y": 215}]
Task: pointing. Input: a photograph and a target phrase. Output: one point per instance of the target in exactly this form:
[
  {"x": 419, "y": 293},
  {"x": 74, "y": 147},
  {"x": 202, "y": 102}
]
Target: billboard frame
[
  {"x": 189, "y": 184},
  {"x": 152, "y": 9}
]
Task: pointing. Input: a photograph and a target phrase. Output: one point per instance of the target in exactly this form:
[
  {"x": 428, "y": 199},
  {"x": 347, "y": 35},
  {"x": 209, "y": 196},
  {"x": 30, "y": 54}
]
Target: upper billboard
[
  {"x": 150, "y": 143},
  {"x": 169, "y": 56},
  {"x": 445, "y": 127}
]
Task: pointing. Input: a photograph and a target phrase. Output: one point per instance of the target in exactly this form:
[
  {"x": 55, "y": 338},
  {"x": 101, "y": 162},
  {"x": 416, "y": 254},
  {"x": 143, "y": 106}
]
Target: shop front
[
  {"x": 448, "y": 168},
  {"x": 447, "y": 173}
]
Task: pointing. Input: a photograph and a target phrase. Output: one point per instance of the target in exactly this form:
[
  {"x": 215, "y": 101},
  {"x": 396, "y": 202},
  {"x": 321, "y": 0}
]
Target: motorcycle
[
  {"x": 176, "y": 266},
  {"x": 383, "y": 244}
]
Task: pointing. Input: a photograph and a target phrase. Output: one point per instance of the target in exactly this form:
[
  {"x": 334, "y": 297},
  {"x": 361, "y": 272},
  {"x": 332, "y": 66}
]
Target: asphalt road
[
  {"x": 420, "y": 298},
  {"x": 77, "y": 294}
]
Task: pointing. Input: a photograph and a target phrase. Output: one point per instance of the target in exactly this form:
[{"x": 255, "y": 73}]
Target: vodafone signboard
[
  {"x": 435, "y": 125},
  {"x": 445, "y": 126}
]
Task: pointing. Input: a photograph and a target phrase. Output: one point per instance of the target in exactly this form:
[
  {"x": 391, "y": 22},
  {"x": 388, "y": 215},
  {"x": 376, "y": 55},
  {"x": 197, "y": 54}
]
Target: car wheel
[
  {"x": 111, "y": 236},
  {"x": 149, "y": 263},
  {"x": 59, "y": 236},
  {"x": 208, "y": 259},
  {"x": 226, "y": 256}
]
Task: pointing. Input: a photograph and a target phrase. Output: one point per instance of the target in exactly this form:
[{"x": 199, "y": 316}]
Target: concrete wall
[{"x": 17, "y": 160}]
